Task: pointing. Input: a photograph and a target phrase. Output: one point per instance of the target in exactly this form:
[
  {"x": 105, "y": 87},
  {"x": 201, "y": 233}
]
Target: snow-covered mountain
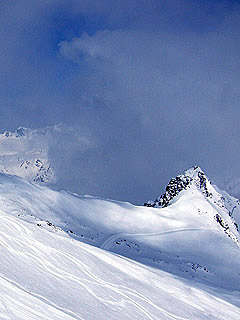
[
  {"x": 227, "y": 207},
  {"x": 66, "y": 256},
  {"x": 24, "y": 153},
  {"x": 43, "y": 156}
]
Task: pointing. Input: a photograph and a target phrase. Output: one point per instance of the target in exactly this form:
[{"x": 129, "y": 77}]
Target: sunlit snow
[{"x": 65, "y": 256}]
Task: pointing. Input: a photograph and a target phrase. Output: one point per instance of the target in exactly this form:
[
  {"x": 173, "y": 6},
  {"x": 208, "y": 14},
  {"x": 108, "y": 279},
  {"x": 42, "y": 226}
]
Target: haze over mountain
[
  {"x": 43, "y": 156},
  {"x": 50, "y": 156}
]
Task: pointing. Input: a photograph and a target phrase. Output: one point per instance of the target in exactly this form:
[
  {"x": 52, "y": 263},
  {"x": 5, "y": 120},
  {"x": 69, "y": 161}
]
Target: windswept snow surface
[
  {"x": 48, "y": 275},
  {"x": 176, "y": 262}
]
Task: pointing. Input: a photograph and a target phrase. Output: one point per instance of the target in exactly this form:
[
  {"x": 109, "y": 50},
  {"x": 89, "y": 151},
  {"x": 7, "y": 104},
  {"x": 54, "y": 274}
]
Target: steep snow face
[
  {"x": 24, "y": 153},
  {"x": 185, "y": 238}
]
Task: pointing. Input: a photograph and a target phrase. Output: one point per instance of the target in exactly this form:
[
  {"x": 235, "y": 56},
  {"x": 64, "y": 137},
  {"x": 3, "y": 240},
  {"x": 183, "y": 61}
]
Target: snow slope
[
  {"x": 48, "y": 275},
  {"x": 180, "y": 261}
]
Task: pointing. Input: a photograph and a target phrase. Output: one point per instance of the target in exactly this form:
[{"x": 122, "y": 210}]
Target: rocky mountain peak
[
  {"x": 225, "y": 209},
  {"x": 193, "y": 176}
]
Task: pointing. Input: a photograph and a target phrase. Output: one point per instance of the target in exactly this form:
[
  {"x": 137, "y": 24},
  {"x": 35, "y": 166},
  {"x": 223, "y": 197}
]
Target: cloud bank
[{"x": 154, "y": 85}]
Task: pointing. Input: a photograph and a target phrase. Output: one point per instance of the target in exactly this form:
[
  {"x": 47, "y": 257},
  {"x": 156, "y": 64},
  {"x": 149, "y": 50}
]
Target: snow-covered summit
[
  {"x": 19, "y": 132},
  {"x": 27, "y": 132},
  {"x": 193, "y": 182},
  {"x": 191, "y": 177}
]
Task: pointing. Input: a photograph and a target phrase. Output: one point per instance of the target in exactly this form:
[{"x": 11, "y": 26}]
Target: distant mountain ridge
[
  {"x": 24, "y": 153},
  {"x": 19, "y": 132},
  {"x": 45, "y": 156}
]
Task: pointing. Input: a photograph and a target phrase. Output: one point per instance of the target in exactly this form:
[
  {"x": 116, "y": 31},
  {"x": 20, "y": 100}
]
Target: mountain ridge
[
  {"x": 140, "y": 233},
  {"x": 84, "y": 257}
]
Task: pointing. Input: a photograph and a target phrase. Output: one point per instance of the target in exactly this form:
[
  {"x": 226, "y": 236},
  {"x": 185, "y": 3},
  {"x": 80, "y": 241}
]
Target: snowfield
[{"x": 65, "y": 256}]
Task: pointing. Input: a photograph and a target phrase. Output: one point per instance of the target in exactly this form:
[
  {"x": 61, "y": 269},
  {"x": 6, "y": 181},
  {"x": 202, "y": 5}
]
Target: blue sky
[{"x": 154, "y": 84}]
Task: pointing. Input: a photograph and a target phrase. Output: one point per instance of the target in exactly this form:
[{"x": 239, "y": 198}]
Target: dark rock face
[
  {"x": 203, "y": 184},
  {"x": 181, "y": 182},
  {"x": 20, "y": 132}
]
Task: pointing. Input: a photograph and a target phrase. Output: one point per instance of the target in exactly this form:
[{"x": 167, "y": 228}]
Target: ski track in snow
[
  {"x": 20, "y": 228},
  {"x": 128, "y": 295},
  {"x": 106, "y": 245},
  {"x": 125, "y": 292},
  {"x": 41, "y": 298}
]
